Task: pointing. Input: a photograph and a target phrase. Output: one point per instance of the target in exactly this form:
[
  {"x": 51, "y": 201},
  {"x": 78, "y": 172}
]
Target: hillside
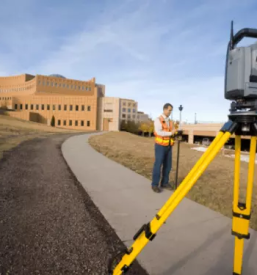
[{"x": 14, "y": 131}]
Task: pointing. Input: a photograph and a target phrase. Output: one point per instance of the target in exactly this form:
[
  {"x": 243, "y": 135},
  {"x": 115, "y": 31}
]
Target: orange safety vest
[{"x": 164, "y": 141}]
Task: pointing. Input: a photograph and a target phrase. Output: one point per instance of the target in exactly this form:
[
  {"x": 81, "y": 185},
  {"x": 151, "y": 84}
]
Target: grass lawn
[
  {"x": 214, "y": 189},
  {"x": 14, "y": 131}
]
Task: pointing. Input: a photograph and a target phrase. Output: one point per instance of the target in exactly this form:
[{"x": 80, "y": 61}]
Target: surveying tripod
[{"x": 240, "y": 86}]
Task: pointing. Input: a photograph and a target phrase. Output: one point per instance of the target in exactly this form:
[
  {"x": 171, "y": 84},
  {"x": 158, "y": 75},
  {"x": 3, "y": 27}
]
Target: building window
[
  {"x": 31, "y": 107},
  {"x": 16, "y": 106},
  {"x": 53, "y": 107},
  {"x": 42, "y": 107},
  {"x": 60, "y": 85},
  {"x": 64, "y": 122},
  {"x": 79, "y": 87},
  {"x": 124, "y": 110},
  {"x": 37, "y": 107},
  {"x": 48, "y": 107},
  {"x": 59, "y": 107},
  {"x": 56, "y": 84},
  {"x": 65, "y": 107},
  {"x": 89, "y": 108},
  {"x": 68, "y": 86},
  {"x": 77, "y": 107},
  {"x": 70, "y": 107},
  {"x": 108, "y": 111},
  {"x": 63, "y": 85},
  {"x": 76, "y": 123},
  {"x": 134, "y": 110},
  {"x": 70, "y": 122},
  {"x": 83, "y": 108},
  {"x": 71, "y": 86},
  {"x": 134, "y": 116},
  {"x": 129, "y": 110},
  {"x": 128, "y": 116},
  {"x": 59, "y": 122},
  {"x": 75, "y": 87},
  {"x": 129, "y": 104},
  {"x": 88, "y": 123},
  {"x": 21, "y": 106},
  {"x": 83, "y": 88},
  {"x": 39, "y": 82},
  {"x": 26, "y": 106},
  {"x": 124, "y": 103},
  {"x": 123, "y": 116},
  {"x": 82, "y": 122},
  {"x": 52, "y": 83}
]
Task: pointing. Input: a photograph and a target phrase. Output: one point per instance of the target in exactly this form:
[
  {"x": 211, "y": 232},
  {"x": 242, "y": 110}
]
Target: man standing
[{"x": 163, "y": 130}]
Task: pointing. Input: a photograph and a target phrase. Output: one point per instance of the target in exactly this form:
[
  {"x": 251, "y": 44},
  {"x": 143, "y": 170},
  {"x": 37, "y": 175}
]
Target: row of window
[
  {"x": 129, "y": 104},
  {"x": 17, "y": 89},
  {"x": 129, "y": 110},
  {"x": 48, "y": 107},
  {"x": 129, "y": 116},
  {"x": 5, "y": 98},
  {"x": 64, "y": 123},
  {"x": 74, "y": 87}
]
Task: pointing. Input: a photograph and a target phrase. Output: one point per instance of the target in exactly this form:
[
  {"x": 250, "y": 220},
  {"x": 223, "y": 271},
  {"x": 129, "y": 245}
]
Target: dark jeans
[{"x": 163, "y": 158}]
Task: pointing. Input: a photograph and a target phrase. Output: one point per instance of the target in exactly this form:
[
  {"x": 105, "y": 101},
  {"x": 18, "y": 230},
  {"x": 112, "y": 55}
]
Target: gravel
[{"x": 48, "y": 223}]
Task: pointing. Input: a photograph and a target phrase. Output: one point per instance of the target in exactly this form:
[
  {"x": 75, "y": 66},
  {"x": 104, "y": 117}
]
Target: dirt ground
[
  {"x": 48, "y": 223},
  {"x": 214, "y": 189}
]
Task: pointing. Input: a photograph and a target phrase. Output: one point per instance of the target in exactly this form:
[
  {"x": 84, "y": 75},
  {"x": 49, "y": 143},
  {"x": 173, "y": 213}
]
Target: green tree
[{"x": 53, "y": 121}]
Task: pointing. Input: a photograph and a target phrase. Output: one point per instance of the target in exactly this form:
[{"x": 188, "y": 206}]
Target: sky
[{"x": 155, "y": 52}]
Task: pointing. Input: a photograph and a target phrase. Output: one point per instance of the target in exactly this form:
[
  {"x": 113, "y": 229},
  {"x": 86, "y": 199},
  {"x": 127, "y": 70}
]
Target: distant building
[{"x": 74, "y": 104}]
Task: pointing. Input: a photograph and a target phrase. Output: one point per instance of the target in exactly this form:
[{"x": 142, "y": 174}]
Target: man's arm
[{"x": 158, "y": 129}]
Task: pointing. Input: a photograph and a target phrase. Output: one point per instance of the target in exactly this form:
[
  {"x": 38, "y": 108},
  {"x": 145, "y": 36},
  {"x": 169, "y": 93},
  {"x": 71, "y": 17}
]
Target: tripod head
[{"x": 241, "y": 72}]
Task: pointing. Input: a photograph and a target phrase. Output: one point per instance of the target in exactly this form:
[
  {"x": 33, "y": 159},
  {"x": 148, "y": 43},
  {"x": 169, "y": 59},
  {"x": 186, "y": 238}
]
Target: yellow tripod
[{"x": 241, "y": 211}]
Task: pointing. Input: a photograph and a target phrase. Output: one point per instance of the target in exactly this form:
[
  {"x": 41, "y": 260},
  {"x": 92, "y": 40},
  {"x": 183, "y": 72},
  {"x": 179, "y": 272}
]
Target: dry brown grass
[
  {"x": 214, "y": 189},
  {"x": 14, "y": 131}
]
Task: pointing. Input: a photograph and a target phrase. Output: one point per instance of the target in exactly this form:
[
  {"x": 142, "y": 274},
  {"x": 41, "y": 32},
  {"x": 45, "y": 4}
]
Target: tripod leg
[
  {"x": 242, "y": 211},
  {"x": 148, "y": 231},
  {"x": 194, "y": 169}
]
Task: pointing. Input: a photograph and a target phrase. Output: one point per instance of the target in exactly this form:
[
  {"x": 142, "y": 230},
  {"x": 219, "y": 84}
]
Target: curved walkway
[{"x": 194, "y": 240}]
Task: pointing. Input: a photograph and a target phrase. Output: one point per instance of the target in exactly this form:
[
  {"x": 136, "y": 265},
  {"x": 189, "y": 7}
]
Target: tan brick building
[{"x": 74, "y": 104}]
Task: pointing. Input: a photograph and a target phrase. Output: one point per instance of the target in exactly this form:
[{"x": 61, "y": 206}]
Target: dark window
[
  {"x": 82, "y": 122},
  {"x": 31, "y": 107},
  {"x": 16, "y": 106},
  {"x": 77, "y": 107},
  {"x": 42, "y": 107},
  {"x": 76, "y": 123},
  {"x": 89, "y": 108},
  {"x": 21, "y": 106},
  {"x": 48, "y": 107},
  {"x": 37, "y": 107},
  {"x": 26, "y": 106},
  {"x": 70, "y": 122},
  {"x": 64, "y": 122},
  {"x": 65, "y": 107},
  {"x": 88, "y": 123},
  {"x": 83, "y": 108},
  {"x": 59, "y": 122},
  {"x": 70, "y": 107},
  {"x": 53, "y": 107},
  {"x": 59, "y": 107}
]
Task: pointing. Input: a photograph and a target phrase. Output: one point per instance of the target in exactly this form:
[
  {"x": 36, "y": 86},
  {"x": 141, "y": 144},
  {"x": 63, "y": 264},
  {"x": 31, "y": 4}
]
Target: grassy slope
[
  {"x": 14, "y": 131},
  {"x": 214, "y": 189}
]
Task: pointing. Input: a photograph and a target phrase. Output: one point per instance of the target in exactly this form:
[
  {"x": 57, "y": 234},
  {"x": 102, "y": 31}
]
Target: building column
[{"x": 191, "y": 137}]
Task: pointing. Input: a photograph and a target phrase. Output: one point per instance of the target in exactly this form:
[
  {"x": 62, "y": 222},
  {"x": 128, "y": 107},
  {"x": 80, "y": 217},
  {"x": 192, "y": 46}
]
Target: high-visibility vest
[{"x": 164, "y": 141}]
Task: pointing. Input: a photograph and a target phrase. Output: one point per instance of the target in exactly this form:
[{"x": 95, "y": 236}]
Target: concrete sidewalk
[{"x": 195, "y": 240}]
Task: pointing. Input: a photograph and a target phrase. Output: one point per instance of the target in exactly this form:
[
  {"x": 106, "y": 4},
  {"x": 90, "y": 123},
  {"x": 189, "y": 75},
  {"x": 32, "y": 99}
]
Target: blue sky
[{"x": 148, "y": 50}]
